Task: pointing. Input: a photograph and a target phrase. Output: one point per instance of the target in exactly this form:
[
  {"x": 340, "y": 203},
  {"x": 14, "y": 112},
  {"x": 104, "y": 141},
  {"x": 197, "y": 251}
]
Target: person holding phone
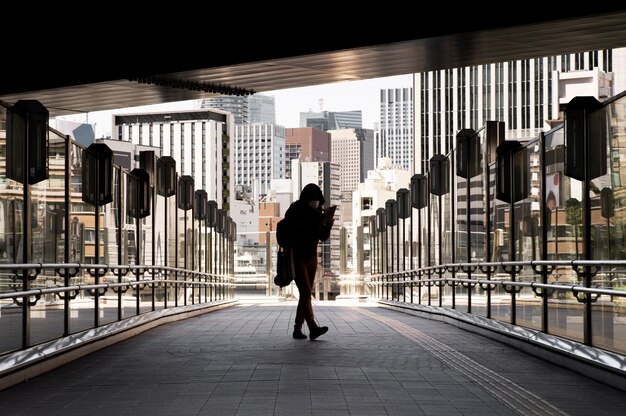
[{"x": 310, "y": 225}]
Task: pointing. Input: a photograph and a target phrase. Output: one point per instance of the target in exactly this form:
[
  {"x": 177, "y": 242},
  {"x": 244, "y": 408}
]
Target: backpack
[
  {"x": 285, "y": 272},
  {"x": 283, "y": 233},
  {"x": 284, "y": 258}
]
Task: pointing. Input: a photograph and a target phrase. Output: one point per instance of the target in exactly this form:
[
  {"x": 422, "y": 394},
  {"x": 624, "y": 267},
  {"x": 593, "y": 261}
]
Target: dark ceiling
[{"x": 106, "y": 74}]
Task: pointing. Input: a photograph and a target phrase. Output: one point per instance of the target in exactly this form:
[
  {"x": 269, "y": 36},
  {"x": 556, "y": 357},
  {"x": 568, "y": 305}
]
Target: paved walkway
[{"x": 242, "y": 360}]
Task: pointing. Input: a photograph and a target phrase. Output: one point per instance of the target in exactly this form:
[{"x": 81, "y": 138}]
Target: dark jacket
[{"x": 307, "y": 223}]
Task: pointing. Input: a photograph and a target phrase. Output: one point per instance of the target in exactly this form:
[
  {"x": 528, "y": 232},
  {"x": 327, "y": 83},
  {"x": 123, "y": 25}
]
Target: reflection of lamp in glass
[
  {"x": 372, "y": 232},
  {"x": 391, "y": 211},
  {"x": 573, "y": 217},
  {"x": 419, "y": 199},
  {"x": 404, "y": 210},
  {"x": 607, "y": 211},
  {"x": 381, "y": 227},
  {"x": 530, "y": 225}
]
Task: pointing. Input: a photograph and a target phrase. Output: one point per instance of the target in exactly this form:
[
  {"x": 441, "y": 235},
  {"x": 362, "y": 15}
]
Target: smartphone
[{"x": 330, "y": 212}]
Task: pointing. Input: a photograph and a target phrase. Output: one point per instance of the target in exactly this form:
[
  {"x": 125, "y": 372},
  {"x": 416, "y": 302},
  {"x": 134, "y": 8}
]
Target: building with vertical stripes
[
  {"x": 259, "y": 156},
  {"x": 524, "y": 94},
  {"x": 394, "y": 138},
  {"x": 195, "y": 139}
]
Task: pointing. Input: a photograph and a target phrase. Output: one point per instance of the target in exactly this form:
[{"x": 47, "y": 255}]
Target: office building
[
  {"x": 261, "y": 109},
  {"x": 379, "y": 186},
  {"x": 525, "y": 94},
  {"x": 332, "y": 120},
  {"x": 195, "y": 139},
  {"x": 307, "y": 145},
  {"x": 395, "y": 134},
  {"x": 258, "y": 155},
  {"x": 234, "y": 104},
  {"x": 257, "y": 108},
  {"x": 353, "y": 151}
]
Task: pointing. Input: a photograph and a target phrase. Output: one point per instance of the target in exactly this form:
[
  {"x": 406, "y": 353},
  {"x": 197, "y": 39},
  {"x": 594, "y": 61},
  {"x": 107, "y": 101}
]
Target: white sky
[{"x": 344, "y": 96}]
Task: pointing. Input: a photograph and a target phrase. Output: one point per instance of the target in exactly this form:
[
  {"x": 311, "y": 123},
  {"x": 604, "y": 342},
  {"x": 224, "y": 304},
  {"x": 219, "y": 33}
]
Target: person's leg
[
  {"x": 304, "y": 301},
  {"x": 307, "y": 308},
  {"x": 314, "y": 329}
]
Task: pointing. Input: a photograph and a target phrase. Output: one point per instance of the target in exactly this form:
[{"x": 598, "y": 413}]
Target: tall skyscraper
[
  {"x": 306, "y": 144},
  {"x": 332, "y": 120},
  {"x": 259, "y": 155},
  {"x": 353, "y": 151},
  {"x": 395, "y": 134}
]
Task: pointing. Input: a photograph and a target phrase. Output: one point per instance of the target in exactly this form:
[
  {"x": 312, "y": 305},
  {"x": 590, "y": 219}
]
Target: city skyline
[{"x": 361, "y": 95}]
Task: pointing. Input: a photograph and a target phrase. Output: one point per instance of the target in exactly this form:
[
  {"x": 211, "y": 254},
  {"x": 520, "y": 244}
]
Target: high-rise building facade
[
  {"x": 258, "y": 155},
  {"x": 332, "y": 120},
  {"x": 261, "y": 109},
  {"x": 237, "y": 105},
  {"x": 527, "y": 97},
  {"x": 353, "y": 151},
  {"x": 195, "y": 139},
  {"x": 394, "y": 137},
  {"x": 257, "y": 108},
  {"x": 307, "y": 145},
  {"x": 524, "y": 94}
]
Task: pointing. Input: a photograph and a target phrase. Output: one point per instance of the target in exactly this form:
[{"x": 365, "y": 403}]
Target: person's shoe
[
  {"x": 316, "y": 332},
  {"x": 297, "y": 334}
]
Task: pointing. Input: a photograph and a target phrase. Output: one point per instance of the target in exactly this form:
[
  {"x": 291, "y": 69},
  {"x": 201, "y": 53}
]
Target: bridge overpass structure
[{"x": 444, "y": 335}]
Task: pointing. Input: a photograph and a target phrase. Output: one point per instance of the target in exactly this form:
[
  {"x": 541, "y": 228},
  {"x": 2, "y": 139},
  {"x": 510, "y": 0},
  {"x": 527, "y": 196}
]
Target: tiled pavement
[{"x": 242, "y": 360}]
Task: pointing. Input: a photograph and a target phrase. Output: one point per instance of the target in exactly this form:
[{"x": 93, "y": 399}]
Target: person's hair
[{"x": 312, "y": 192}]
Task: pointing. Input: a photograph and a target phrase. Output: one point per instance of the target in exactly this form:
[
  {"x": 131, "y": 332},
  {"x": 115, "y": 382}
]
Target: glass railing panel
[
  {"x": 83, "y": 244},
  {"x": 147, "y": 292},
  {"x": 461, "y": 240},
  {"x": 199, "y": 238},
  {"x": 47, "y": 204},
  {"x": 129, "y": 247},
  {"x": 482, "y": 195},
  {"x": 110, "y": 245},
  {"x": 487, "y": 249},
  {"x": 528, "y": 304},
  {"x": 564, "y": 238},
  {"x": 160, "y": 244},
  {"x": 449, "y": 298},
  {"x": 404, "y": 261},
  {"x": 181, "y": 216},
  {"x": 608, "y": 223},
  {"x": 500, "y": 221},
  {"x": 189, "y": 254},
  {"x": 148, "y": 248},
  {"x": 419, "y": 247},
  {"x": 11, "y": 314},
  {"x": 172, "y": 249}
]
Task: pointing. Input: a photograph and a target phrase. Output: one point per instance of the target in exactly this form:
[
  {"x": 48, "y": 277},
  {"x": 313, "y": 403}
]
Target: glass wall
[
  {"x": 543, "y": 247},
  {"x": 81, "y": 262}
]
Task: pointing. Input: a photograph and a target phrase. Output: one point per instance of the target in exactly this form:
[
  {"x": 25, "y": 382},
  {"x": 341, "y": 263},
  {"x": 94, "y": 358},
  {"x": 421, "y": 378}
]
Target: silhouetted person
[{"x": 310, "y": 226}]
